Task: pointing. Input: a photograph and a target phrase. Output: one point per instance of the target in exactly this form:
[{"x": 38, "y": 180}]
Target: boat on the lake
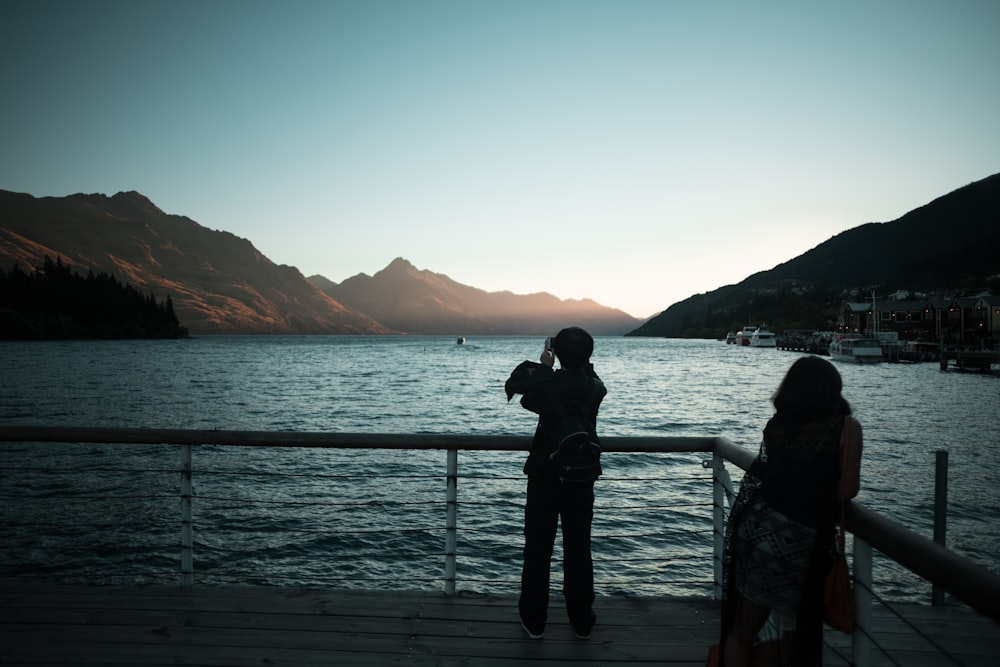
[
  {"x": 763, "y": 337},
  {"x": 856, "y": 350},
  {"x": 744, "y": 334},
  {"x": 920, "y": 350}
]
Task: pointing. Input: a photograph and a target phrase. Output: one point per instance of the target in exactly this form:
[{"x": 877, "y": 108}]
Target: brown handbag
[{"x": 838, "y": 593}]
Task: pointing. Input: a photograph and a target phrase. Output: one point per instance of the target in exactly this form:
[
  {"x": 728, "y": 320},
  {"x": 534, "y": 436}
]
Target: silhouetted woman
[{"x": 781, "y": 529}]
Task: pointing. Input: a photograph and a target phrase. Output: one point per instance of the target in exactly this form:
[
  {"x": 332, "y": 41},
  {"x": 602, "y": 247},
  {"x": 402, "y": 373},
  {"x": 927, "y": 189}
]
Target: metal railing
[{"x": 956, "y": 575}]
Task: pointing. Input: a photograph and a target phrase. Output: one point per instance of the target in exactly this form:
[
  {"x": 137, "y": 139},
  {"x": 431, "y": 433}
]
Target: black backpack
[{"x": 576, "y": 455}]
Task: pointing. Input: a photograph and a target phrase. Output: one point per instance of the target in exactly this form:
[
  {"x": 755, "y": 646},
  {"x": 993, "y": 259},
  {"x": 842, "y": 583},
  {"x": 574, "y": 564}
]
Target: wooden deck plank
[{"x": 47, "y": 624}]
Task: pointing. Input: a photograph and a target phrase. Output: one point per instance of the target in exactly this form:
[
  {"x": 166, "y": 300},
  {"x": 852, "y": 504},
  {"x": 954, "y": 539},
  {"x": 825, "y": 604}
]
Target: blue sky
[{"x": 631, "y": 152}]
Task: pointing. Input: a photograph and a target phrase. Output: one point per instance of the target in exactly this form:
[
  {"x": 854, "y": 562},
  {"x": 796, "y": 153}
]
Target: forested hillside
[{"x": 55, "y": 302}]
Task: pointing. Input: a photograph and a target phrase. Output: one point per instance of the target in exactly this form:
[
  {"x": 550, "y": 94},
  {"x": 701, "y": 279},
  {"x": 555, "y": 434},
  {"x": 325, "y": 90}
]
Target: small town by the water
[{"x": 958, "y": 333}]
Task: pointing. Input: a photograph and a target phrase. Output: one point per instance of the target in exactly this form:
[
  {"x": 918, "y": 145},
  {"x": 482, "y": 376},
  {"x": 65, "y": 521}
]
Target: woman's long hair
[{"x": 810, "y": 390}]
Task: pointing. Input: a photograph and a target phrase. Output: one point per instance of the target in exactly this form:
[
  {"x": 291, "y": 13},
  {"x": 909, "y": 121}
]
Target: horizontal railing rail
[
  {"x": 143, "y": 436},
  {"x": 958, "y": 576}
]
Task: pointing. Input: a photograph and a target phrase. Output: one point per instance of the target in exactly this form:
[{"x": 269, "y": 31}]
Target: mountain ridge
[
  {"x": 221, "y": 284},
  {"x": 432, "y": 303},
  {"x": 950, "y": 243}
]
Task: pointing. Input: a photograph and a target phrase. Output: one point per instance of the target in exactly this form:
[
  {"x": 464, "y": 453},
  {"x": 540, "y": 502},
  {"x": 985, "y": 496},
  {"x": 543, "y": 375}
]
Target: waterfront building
[{"x": 965, "y": 320}]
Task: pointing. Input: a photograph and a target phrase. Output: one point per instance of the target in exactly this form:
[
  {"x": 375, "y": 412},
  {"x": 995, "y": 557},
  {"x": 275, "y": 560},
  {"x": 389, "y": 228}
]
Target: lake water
[{"x": 348, "y": 518}]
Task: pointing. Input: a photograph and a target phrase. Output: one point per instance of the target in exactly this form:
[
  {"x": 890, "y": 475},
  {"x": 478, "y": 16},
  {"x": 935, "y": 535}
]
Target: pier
[
  {"x": 959, "y": 357},
  {"x": 966, "y": 358},
  {"x": 47, "y": 621},
  {"x": 233, "y": 626}
]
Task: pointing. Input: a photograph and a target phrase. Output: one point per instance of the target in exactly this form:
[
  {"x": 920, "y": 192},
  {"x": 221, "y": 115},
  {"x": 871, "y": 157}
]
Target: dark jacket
[{"x": 540, "y": 386}]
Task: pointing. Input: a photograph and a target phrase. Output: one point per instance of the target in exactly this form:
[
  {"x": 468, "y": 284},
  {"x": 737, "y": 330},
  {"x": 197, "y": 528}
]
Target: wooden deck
[{"x": 47, "y": 624}]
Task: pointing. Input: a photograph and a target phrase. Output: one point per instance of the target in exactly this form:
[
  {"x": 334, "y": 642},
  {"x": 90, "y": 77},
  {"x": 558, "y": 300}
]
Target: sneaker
[
  {"x": 583, "y": 630},
  {"x": 535, "y": 632}
]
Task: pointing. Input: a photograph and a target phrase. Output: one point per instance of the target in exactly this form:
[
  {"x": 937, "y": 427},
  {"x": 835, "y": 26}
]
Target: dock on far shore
[
  {"x": 968, "y": 358},
  {"x": 960, "y": 357}
]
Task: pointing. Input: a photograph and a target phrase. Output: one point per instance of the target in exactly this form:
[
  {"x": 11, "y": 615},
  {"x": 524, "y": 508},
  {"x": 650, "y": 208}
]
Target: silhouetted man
[{"x": 551, "y": 394}]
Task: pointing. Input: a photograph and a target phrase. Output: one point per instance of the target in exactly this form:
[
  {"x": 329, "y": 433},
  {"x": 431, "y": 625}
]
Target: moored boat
[
  {"x": 856, "y": 350},
  {"x": 744, "y": 334},
  {"x": 920, "y": 350},
  {"x": 763, "y": 337}
]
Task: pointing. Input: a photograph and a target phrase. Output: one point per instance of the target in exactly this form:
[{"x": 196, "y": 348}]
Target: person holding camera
[{"x": 574, "y": 391}]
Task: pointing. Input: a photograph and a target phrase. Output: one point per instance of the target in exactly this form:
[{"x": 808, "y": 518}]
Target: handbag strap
[{"x": 843, "y": 466}]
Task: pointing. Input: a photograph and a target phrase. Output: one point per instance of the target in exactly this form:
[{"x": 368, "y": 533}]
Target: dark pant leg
[
  {"x": 577, "y": 509},
  {"x": 541, "y": 516}
]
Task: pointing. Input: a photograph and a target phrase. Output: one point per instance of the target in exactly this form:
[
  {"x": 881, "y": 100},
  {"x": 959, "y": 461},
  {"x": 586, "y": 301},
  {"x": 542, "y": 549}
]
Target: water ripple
[{"x": 319, "y": 516}]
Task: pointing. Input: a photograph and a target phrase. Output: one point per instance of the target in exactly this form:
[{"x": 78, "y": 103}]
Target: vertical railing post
[
  {"x": 861, "y": 643},
  {"x": 718, "y": 520},
  {"x": 940, "y": 513},
  {"x": 451, "y": 527},
  {"x": 187, "y": 533}
]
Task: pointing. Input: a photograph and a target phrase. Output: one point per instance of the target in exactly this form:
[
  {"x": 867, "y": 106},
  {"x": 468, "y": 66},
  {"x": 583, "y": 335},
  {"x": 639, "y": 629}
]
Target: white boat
[
  {"x": 730, "y": 338},
  {"x": 744, "y": 334},
  {"x": 921, "y": 350},
  {"x": 857, "y": 350},
  {"x": 763, "y": 337}
]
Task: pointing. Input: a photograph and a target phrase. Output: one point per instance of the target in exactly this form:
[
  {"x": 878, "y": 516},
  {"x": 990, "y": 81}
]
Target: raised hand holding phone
[{"x": 548, "y": 356}]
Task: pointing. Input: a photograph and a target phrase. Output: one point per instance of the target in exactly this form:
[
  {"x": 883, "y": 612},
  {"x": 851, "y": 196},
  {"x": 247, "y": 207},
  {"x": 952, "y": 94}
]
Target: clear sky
[{"x": 631, "y": 152}]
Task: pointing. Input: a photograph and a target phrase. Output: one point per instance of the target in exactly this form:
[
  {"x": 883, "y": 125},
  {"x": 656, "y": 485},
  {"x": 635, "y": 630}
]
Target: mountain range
[
  {"x": 403, "y": 297},
  {"x": 950, "y": 246},
  {"x": 221, "y": 284}
]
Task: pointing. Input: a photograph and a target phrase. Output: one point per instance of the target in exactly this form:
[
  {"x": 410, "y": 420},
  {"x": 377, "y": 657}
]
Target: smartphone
[{"x": 548, "y": 343}]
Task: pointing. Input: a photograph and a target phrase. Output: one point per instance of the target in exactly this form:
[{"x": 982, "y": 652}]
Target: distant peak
[
  {"x": 133, "y": 198},
  {"x": 135, "y": 204},
  {"x": 133, "y": 195},
  {"x": 126, "y": 204},
  {"x": 399, "y": 267}
]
